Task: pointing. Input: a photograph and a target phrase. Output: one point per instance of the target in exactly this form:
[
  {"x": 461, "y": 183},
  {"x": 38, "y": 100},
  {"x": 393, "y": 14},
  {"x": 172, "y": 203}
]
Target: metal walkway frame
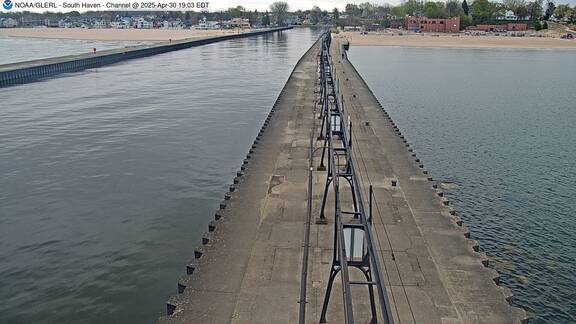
[{"x": 353, "y": 237}]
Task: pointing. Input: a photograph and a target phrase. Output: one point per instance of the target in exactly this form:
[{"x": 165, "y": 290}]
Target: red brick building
[
  {"x": 500, "y": 28},
  {"x": 433, "y": 25}
]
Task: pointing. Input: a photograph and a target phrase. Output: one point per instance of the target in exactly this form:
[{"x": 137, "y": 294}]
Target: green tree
[
  {"x": 315, "y": 15},
  {"x": 367, "y": 10},
  {"x": 352, "y": 9},
  {"x": 335, "y": 15},
  {"x": 465, "y": 20},
  {"x": 522, "y": 12},
  {"x": 563, "y": 10},
  {"x": 412, "y": 7},
  {"x": 279, "y": 11},
  {"x": 382, "y": 12},
  {"x": 484, "y": 11},
  {"x": 550, "y": 7},
  {"x": 511, "y": 4},
  {"x": 384, "y": 23},
  {"x": 537, "y": 26},
  {"x": 266, "y": 19},
  {"x": 535, "y": 9},
  {"x": 465, "y": 7},
  {"x": 434, "y": 10},
  {"x": 545, "y": 25},
  {"x": 398, "y": 11},
  {"x": 236, "y": 12}
]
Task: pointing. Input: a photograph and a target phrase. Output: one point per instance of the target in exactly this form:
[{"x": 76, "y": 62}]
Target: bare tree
[
  {"x": 517, "y": 6},
  {"x": 279, "y": 10},
  {"x": 453, "y": 8}
]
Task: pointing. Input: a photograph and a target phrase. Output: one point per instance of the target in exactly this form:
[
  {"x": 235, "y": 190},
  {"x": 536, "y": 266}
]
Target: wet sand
[
  {"x": 457, "y": 41},
  {"x": 113, "y": 34}
]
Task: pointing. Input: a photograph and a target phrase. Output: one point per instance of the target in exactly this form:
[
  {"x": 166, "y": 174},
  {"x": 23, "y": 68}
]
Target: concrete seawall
[
  {"x": 250, "y": 264},
  {"x": 23, "y": 72}
]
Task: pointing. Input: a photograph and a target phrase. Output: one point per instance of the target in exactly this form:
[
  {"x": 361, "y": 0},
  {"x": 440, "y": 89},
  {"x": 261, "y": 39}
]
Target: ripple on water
[
  {"x": 110, "y": 176},
  {"x": 487, "y": 125}
]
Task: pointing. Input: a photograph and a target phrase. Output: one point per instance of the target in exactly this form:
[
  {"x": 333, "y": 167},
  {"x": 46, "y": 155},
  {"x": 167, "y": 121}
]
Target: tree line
[{"x": 475, "y": 12}]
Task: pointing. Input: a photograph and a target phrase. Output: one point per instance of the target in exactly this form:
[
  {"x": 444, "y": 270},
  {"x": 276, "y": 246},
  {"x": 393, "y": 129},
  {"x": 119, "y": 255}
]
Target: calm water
[
  {"x": 109, "y": 177},
  {"x": 17, "y": 49},
  {"x": 498, "y": 127}
]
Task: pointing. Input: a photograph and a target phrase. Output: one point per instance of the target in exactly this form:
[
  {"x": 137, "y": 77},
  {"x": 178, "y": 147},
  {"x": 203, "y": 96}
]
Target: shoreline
[
  {"x": 28, "y": 71},
  {"x": 459, "y": 41},
  {"x": 113, "y": 35}
]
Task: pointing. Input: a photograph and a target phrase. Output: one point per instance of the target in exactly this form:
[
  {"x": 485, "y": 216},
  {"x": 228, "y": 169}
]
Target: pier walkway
[{"x": 250, "y": 267}]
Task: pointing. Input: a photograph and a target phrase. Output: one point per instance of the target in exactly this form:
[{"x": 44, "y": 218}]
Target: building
[
  {"x": 65, "y": 23},
  {"x": 172, "y": 24},
  {"x": 8, "y": 23},
  {"x": 500, "y": 28},
  {"x": 293, "y": 20},
  {"x": 371, "y": 27},
  {"x": 352, "y": 28},
  {"x": 120, "y": 24},
  {"x": 50, "y": 23},
  {"x": 509, "y": 15},
  {"x": 240, "y": 23},
  {"x": 100, "y": 24},
  {"x": 433, "y": 25},
  {"x": 208, "y": 25},
  {"x": 142, "y": 23},
  {"x": 396, "y": 23}
]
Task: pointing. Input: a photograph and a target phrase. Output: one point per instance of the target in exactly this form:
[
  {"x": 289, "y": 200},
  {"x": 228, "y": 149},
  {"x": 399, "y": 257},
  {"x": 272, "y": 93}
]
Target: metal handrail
[{"x": 337, "y": 109}]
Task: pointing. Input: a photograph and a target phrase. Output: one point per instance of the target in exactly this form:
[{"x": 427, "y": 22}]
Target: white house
[
  {"x": 100, "y": 24},
  {"x": 120, "y": 24},
  {"x": 172, "y": 24},
  {"x": 509, "y": 15},
  {"x": 142, "y": 23},
  {"x": 204, "y": 24},
  {"x": 239, "y": 23},
  {"x": 50, "y": 23},
  {"x": 293, "y": 20},
  {"x": 8, "y": 23}
]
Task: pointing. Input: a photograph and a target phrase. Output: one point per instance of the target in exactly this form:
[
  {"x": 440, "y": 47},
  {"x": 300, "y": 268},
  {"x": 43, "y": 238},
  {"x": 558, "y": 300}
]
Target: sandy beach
[
  {"x": 457, "y": 41},
  {"x": 113, "y": 34}
]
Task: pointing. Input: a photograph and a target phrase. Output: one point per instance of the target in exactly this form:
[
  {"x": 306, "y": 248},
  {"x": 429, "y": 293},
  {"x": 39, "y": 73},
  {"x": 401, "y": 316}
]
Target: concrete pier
[
  {"x": 23, "y": 72},
  {"x": 249, "y": 268}
]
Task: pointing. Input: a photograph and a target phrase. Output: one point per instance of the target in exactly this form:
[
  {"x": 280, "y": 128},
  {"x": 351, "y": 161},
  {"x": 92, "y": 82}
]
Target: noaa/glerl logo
[{"x": 7, "y": 4}]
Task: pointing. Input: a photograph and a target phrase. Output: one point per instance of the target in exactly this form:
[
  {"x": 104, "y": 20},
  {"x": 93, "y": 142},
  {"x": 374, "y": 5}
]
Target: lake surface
[
  {"x": 109, "y": 177},
  {"x": 19, "y": 49},
  {"x": 498, "y": 128}
]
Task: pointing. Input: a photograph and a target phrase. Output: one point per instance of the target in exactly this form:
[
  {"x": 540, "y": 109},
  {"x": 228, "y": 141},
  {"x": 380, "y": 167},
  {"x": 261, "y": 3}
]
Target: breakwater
[
  {"x": 23, "y": 72},
  {"x": 250, "y": 268}
]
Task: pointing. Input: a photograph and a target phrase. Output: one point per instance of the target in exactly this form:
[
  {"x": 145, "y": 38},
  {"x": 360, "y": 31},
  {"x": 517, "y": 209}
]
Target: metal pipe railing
[{"x": 342, "y": 135}]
